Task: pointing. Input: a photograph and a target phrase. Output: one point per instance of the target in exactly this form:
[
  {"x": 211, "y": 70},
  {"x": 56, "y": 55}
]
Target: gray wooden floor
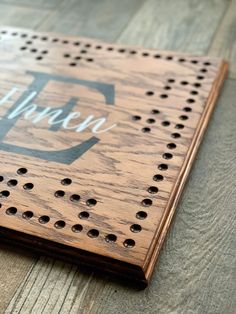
[{"x": 196, "y": 272}]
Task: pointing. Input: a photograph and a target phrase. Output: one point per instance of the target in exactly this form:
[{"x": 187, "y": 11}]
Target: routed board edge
[
  {"x": 101, "y": 265},
  {"x": 185, "y": 170},
  {"x": 157, "y": 237},
  {"x": 131, "y": 274}
]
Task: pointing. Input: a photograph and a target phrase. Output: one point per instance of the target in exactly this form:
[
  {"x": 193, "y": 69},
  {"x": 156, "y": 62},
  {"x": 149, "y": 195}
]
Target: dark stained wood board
[{"x": 98, "y": 179}]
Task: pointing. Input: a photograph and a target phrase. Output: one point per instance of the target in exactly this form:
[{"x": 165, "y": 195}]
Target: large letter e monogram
[{"x": 66, "y": 156}]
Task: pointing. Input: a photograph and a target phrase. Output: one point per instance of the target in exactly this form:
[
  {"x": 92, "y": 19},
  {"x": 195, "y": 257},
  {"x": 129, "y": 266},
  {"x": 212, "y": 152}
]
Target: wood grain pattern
[
  {"x": 224, "y": 43},
  {"x": 18, "y": 14},
  {"x": 97, "y": 19},
  {"x": 22, "y": 16},
  {"x": 196, "y": 270},
  {"x": 15, "y": 264},
  {"x": 180, "y": 25},
  {"x": 12, "y": 16},
  {"x": 185, "y": 281},
  {"x": 52, "y": 4},
  {"x": 125, "y": 227}
]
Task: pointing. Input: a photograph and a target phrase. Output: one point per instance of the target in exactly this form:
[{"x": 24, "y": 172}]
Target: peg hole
[
  {"x": 135, "y": 228},
  {"x": 146, "y": 130},
  {"x": 59, "y": 193},
  {"x": 152, "y": 189},
  {"x": 60, "y": 224},
  {"x": 93, "y": 233},
  {"x": 4, "y": 193},
  {"x": 22, "y": 171},
  {"x": 158, "y": 177},
  {"x": 66, "y": 181},
  {"x": 171, "y": 145},
  {"x": 129, "y": 243},
  {"x": 11, "y": 211},
  {"x": 84, "y": 215},
  {"x": 91, "y": 202},
  {"x": 175, "y": 135},
  {"x": 44, "y": 219},
  {"x": 111, "y": 238},
  {"x": 75, "y": 198},
  {"x": 77, "y": 228},
  {"x": 141, "y": 215},
  {"x": 162, "y": 167},
  {"x": 27, "y": 215},
  {"x": 12, "y": 182},
  {"x": 146, "y": 202},
  {"x": 28, "y": 186},
  {"x": 167, "y": 156}
]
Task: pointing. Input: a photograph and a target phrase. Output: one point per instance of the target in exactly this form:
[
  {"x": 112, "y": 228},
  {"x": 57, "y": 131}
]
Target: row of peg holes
[
  {"x": 14, "y": 182},
  {"x": 183, "y": 117},
  {"x": 60, "y": 224},
  {"x": 34, "y": 50},
  {"x": 108, "y": 48},
  {"x": 92, "y": 202},
  {"x": 93, "y": 233},
  {"x": 75, "y": 197},
  {"x": 77, "y": 58},
  {"x": 147, "y": 202},
  {"x": 28, "y": 47},
  {"x": 162, "y": 167}
]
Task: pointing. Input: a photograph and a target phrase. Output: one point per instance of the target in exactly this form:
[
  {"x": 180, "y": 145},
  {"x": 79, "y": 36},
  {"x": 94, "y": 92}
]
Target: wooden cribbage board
[{"x": 96, "y": 142}]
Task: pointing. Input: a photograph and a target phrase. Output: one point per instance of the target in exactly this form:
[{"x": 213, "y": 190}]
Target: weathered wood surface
[
  {"x": 186, "y": 26},
  {"x": 96, "y": 19},
  {"x": 52, "y": 4},
  {"x": 196, "y": 270},
  {"x": 21, "y": 16},
  {"x": 224, "y": 42}
]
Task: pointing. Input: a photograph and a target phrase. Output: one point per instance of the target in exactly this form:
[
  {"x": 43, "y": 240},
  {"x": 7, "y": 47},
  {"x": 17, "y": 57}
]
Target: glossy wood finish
[
  {"x": 116, "y": 209},
  {"x": 195, "y": 269}
]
